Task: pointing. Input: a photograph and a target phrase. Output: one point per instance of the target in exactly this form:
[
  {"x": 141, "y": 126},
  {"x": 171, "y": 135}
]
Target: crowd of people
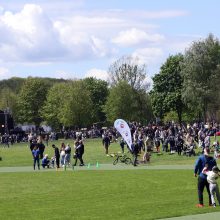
[{"x": 171, "y": 138}]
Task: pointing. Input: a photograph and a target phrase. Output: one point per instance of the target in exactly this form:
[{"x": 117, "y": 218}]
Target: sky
[{"x": 81, "y": 38}]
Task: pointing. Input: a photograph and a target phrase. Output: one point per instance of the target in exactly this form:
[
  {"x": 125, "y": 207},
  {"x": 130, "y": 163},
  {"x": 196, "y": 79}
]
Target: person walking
[
  {"x": 201, "y": 162},
  {"x": 106, "y": 143}
]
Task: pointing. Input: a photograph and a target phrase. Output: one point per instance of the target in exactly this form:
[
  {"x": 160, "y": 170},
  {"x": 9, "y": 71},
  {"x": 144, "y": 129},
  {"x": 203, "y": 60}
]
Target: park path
[
  {"x": 206, "y": 216},
  {"x": 100, "y": 167}
]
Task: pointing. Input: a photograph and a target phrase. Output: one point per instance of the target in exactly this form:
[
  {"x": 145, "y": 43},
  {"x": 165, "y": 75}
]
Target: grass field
[
  {"x": 97, "y": 194},
  {"x": 138, "y": 194},
  {"x": 20, "y": 154}
]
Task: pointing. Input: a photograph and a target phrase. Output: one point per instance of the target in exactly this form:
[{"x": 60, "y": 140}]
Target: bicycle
[{"x": 122, "y": 159}]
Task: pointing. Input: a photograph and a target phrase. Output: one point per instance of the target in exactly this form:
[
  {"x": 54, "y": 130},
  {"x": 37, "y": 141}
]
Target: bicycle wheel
[
  {"x": 128, "y": 160},
  {"x": 115, "y": 161}
]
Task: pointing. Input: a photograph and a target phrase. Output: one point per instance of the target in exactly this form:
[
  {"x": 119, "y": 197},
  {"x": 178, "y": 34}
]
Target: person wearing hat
[
  {"x": 204, "y": 160},
  {"x": 212, "y": 177}
]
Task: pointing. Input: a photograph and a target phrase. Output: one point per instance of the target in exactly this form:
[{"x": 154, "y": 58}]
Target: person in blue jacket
[
  {"x": 36, "y": 156},
  {"x": 204, "y": 159},
  {"x": 45, "y": 161}
]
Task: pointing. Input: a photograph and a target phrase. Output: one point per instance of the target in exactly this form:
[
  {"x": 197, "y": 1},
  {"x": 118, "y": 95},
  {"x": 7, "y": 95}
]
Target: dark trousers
[
  {"x": 135, "y": 155},
  {"x": 79, "y": 156},
  {"x": 41, "y": 155},
  {"x": 36, "y": 160},
  {"x": 58, "y": 162},
  {"x": 202, "y": 183},
  {"x": 179, "y": 150}
]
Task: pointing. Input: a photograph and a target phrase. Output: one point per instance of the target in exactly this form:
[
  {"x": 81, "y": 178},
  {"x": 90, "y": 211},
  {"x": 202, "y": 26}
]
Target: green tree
[
  {"x": 201, "y": 73},
  {"x": 52, "y": 111},
  {"x": 8, "y": 100},
  {"x": 120, "y": 102},
  {"x": 127, "y": 69},
  {"x": 78, "y": 106},
  {"x": 167, "y": 88},
  {"x": 31, "y": 100},
  {"x": 127, "y": 103},
  {"x": 98, "y": 93}
]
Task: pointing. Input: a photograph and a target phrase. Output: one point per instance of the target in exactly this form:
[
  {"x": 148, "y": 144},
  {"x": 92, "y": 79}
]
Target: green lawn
[
  {"x": 20, "y": 155},
  {"x": 98, "y": 194},
  {"x": 136, "y": 194}
]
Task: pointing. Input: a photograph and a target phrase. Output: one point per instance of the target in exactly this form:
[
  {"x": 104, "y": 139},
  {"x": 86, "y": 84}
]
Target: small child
[{"x": 212, "y": 177}]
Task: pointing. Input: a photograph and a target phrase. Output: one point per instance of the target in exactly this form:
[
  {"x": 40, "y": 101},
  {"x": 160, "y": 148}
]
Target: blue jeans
[{"x": 36, "y": 159}]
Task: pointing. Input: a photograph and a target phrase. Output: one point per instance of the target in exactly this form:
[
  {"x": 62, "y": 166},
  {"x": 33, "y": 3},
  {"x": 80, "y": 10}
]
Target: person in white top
[{"x": 212, "y": 177}]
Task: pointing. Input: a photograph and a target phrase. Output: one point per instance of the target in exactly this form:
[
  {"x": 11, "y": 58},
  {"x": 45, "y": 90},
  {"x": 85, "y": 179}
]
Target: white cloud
[
  {"x": 4, "y": 73},
  {"x": 29, "y": 36},
  {"x": 97, "y": 73},
  {"x": 34, "y": 34},
  {"x": 148, "y": 55},
  {"x": 135, "y": 36}
]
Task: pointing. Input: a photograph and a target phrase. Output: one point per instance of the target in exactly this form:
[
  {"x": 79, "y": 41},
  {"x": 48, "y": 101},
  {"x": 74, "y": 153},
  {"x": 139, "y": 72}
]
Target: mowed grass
[
  {"x": 20, "y": 154},
  {"x": 130, "y": 194}
]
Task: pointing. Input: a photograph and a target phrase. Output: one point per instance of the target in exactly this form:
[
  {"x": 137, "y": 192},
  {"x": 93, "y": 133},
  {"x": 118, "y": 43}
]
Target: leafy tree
[
  {"x": 52, "y": 110},
  {"x": 120, "y": 102},
  {"x": 9, "y": 100},
  {"x": 127, "y": 103},
  {"x": 167, "y": 88},
  {"x": 78, "y": 105},
  {"x": 201, "y": 73},
  {"x": 98, "y": 93},
  {"x": 31, "y": 100},
  {"x": 127, "y": 69}
]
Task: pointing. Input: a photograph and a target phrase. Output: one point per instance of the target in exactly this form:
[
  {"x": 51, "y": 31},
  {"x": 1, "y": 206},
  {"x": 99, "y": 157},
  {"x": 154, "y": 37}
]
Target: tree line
[{"x": 185, "y": 89}]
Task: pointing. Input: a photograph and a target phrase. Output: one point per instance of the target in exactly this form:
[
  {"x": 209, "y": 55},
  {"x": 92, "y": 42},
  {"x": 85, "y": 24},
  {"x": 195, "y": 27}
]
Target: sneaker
[{"x": 199, "y": 205}]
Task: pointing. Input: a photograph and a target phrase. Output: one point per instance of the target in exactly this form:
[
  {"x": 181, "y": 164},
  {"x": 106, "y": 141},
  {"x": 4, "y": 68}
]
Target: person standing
[
  {"x": 79, "y": 151},
  {"x": 41, "y": 148},
  {"x": 201, "y": 162},
  {"x": 106, "y": 143},
  {"x": 135, "y": 151},
  {"x": 36, "y": 157},
  {"x": 57, "y": 155},
  {"x": 67, "y": 155}
]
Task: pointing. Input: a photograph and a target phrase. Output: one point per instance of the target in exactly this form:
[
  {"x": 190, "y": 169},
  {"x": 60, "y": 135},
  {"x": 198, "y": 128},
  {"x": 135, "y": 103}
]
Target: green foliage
[
  {"x": 167, "y": 88},
  {"x": 53, "y": 107},
  {"x": 120, "y": 102},
  {"x": 31, "y": 100},
  {"x": 127, "y": 103},
  {"x": 98, "y": 90},
  {"x": 77, "y": 107},
  {"x": 201, "y": 73},
  {"x": 9, "y": 100}
]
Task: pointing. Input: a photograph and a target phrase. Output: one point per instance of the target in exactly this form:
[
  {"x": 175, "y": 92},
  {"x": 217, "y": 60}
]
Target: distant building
[{"x": 6, "y": 122}]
